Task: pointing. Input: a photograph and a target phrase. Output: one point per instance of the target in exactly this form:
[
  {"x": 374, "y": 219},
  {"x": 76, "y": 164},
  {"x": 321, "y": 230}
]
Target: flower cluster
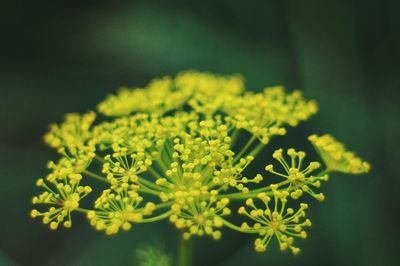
[
  {"x": 299, "y": 180},
  {"x": 275, "y": 108},
  {"x": 280, "y": 222},
  {"x": 201, "y": 217},
  {"x": 74, "y": 134},
  {"x": 336, "y": 157},
  {"x": 64, "y": 198},
  {"x": 117, "y": 208},
  {"x": 180, "y": 149}
]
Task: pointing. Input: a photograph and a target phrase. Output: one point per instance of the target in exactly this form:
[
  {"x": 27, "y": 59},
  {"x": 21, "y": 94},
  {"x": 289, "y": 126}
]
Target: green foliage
[{"x": 152, "y": 256}]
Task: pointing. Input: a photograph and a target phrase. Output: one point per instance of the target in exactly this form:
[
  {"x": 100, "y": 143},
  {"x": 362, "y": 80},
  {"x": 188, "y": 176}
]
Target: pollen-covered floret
[
  {"x": 117, "y": 208},
  {"x": 212, "y": 134},
  {"x": 299, "y": 177},
  {"x": 231, "y": 175},
  {"x": 208, "y": 91},
  {"x": 209, "y": 84},
  {"x": 264, "y": 114},
  {"x": 123, "y": 167},
  {"x": 280, "y": 222},
  {"x": 159, "y": 96},
  {"x": 73, "y": 133},
  {"x": 204, "y": 92},
  {"x": 64, "y": 196},
  {"x": 139, "y": 132},
  {"x": 201, "y": 163},
  {"x": 200, "y": 217},
  {"x": 189, "y": 173},
  {"x": 336, "y": 157},
  {"x": 70, "y": 164}
]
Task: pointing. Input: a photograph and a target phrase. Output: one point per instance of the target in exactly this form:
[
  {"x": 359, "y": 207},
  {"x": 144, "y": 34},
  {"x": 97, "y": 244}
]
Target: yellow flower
[
  {"x": 264, "y": 114},
  {"x": 189, "y": 166},
  {"x": 208, "y": 92},
  {"x": 200, "y": 217},
  {"x": 204, "y": 83},
  {"x": 204, "y": 92},
  {"x": 134, "y": 133},
  {"x": 280, "y": 222},
  {"x": 200, "y": 163},
  {"x": 299, "y": 177},
  {"x": 64, "y": 196},
  {"x": 70, "y": 164},
  {"x": 336, "y": 156},
  {"x": 188, "y": 143},
  {"x": 73, "y": 133},
  {"x": 231, "y": 175},
  {"x": 159, "y": 96},
  {"x": 117, "y": 209},
  {"x": 124, "y": 167}
]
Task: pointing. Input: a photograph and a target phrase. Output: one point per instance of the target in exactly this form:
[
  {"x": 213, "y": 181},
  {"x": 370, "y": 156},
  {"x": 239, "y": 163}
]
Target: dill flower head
[
  {"x": 117, "y": 208},
  {"x": 275, "y": 109},
  {"x": 336, "y": 157},
  {"x": 208, "y": 92},
  {"x": 298, "y": 177},
  {"x": 200, "y": 217},
  {"x": 122, "y": 168},
  {"x": 72, "y": 134},
  {"x": 284, "y": 224},
  {"x": 159, "y": 96},
  {"x": 182, "y": 149},
  {"x": 63, "y": 197}
]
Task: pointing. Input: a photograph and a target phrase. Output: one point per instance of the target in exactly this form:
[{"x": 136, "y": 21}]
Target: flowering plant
[{"x": 171, "y": 151}]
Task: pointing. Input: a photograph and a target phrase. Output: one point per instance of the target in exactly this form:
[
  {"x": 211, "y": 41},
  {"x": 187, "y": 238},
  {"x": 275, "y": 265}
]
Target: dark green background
[{"x": 65, "y": 56}]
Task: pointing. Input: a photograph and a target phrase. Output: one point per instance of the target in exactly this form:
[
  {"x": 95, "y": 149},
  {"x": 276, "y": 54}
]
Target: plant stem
[
  {"x": 234, "y": 137},
  {"x": 245, "y": 148},
  {"x": 99, "y": 159},
  {"x": 185, "y": 252},
  {"x": 257, "y": 149},
  {"x": 153, "y": 186},
  {"x": 254, "y": 193},
  {"x": 96, "y": 176},
  {"x": 158, "y": 206},
  {"x": 232, "y": 226},
  {"x": 156, "y": 218},
  {"x": 324, "y": 172}
]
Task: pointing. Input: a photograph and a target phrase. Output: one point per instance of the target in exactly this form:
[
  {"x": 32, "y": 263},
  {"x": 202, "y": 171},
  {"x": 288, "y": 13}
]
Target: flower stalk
[{"x": 185, "y": 252}]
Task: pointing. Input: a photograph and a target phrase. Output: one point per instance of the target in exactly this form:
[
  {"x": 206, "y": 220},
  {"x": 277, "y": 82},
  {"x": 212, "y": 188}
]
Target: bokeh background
[{"x": 65, "y": 56}]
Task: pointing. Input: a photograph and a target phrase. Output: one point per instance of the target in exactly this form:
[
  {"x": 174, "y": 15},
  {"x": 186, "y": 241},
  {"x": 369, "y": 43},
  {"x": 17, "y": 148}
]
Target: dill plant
[{"x": 170, "y": 151}]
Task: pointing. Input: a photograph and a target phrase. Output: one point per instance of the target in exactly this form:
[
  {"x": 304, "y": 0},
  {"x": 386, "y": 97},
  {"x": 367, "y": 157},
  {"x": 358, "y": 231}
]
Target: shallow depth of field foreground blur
[{"x": 58, "y": 57}]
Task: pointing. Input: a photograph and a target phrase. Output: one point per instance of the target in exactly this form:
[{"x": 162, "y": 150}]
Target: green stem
[
  {"x": 232, "y": 226},
  {"x": 260, "y": 146},
  {"x": 155, "y": 174},
  {"x": 148, "y": 191},
  {"x": 95, "y": 176},
  {"x": 158, "y": 206},
  {"x": 326, "y": 171},
  {"x": 234, "y": 137},
  {"x": 252, "y": 193},
  {"x": 161, "y": 165},
  {"x": 239, "y": 229},
  {"x": 156, "y": 218},
  {"x": 245, "y": 148},
  {"x": 185, "y": 252},
  {"x": 99, "y": 159},
  {"x": 82, "y": 210},
  {"x": 151, "y": 185},
  {"x": 169, "y": 150}
]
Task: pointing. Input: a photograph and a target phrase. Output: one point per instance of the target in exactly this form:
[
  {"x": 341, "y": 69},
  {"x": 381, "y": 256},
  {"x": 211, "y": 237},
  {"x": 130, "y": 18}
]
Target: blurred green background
[{"x": 65, "y": 56}]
